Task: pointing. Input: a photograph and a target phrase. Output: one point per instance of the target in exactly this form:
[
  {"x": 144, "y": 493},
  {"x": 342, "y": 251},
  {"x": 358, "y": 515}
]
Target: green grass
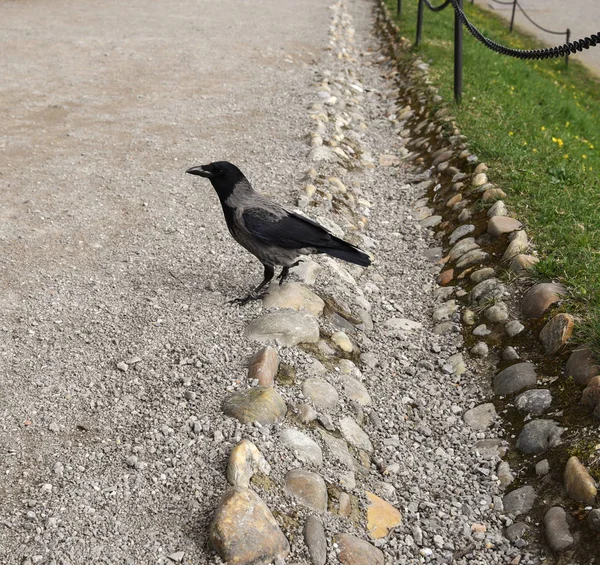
[{"x": 537, "y": 126}]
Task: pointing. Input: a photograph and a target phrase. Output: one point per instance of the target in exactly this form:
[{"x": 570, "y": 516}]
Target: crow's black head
[{"x": 222, "y": 174}]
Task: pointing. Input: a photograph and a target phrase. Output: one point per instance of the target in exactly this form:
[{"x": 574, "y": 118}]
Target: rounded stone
[
  {"x": 305, "y": 448},
  {"x": 581, "y": 365},
  {"x": 460, "y": 232},
  {"x": 354, "y": 434},
  {"x": 514, "y": 378},
  {"x": 473, "y": 257},
  {"x": 244, "y": 460},
  {"x": 307, "y": 488},
  {"x": 480, "y": 417},
  {"x": 244, "y": 531},
  {"x": 480, "y": 349},
  {"x": 534, "y": 401},
  {"x": 519, "y": 501},
  {"x": 497, "y": 313},
  {"x": 294, "y": 296},
  {"x": 519, "y": 242},
  {"x": 462, "y": 247},
  {"x": 482, "y": 274},
  {"x": 321, "y": 393},
  {"x": 540, "y": 297},
  {"x": 538, "y": 436},
  {"x": 593, "y": 520},
  {"x": 342, "y": 341},
  {"x": 314, "y": 537},
  {"x": 479, "y": 179},
  {"x": 557, "y": 530},
  {"x": 288, "y": 327},
  {"x": 354, "y": 551},
  {"x": 497, "y": 225},
  {"x": 579, "y": 484},
  {"x": 492, "y": 194},
  {"x": 259, "y": 404},
  {"x": 509, "y": 354},
  {"x": 522, "y": 262},
  {"x": 557, "y": 332},
  {"x": 356, "y": 391},
  {"x": 485, "y": 290},
  {"x": 513, "y": 328},
  {"x": 263, "y": 366},
  {"x": 497, "y": 209}
]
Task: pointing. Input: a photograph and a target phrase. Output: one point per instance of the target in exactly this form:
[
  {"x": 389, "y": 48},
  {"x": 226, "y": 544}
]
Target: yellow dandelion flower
[
  {"x": 534, "y": 150},
  {"x": 543, "y": 128},
  {"x": 584, "y": 156},
  {"x": 567, "y": 124},
  {"x": 511, "y": 133},
  {"x": 565, "y": 156}
]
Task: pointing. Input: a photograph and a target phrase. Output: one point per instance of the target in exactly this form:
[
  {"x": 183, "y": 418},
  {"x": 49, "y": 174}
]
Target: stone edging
[
  {"x": 471, "y": 221},
  {"x": 243, "y": 529}
]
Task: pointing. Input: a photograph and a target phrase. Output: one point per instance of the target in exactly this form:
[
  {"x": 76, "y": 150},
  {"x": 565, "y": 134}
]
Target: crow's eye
[{"x": 220, "y": 171}]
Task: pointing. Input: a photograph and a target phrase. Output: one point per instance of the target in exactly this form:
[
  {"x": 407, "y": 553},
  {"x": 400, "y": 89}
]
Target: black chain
[{"x": 548, "y": 53}]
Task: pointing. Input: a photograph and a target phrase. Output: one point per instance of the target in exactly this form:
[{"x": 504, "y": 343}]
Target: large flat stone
[
  {"x": 295, "y": 296},
  {"x": 260, "y": 404},
  {"x": 538, "y": 436},
  {"x": 306, "y": 449},
  {"x": 244, "y": 532},
  {"x": 535, "y": 401},
  {"x": 381, "y": 516},
  {"x": 321, "y": 393},
  {"x": 287, "y": 327},
  {"x": 519, "y": 501},
  {"x": 514, "y": 378},
  {"x": 480, "y": 417}
]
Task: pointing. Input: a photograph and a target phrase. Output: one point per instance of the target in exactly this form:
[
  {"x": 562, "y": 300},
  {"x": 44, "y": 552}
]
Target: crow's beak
[{"x": 200, "y": 172}]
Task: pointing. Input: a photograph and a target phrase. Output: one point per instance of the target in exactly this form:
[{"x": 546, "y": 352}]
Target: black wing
[{"x": 290, "y": 231}]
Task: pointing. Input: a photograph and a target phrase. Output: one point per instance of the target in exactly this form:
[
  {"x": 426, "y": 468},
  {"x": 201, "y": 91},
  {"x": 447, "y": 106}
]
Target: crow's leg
[
  {"x": 286, "y": 271},
  {"x": 255, "y": 294}
]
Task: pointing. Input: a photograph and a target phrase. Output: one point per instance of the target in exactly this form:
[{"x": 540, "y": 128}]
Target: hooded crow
[{"x": 269, "y": 231}]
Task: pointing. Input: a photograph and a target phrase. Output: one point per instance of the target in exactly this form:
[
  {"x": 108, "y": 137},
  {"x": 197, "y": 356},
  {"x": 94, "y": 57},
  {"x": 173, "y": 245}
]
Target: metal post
[
  {"x": 512, "y": 17},
  {"x": 399, "y": 8},
  {"x": 568, "y": 41},
  {"x": 458, "y": 35},
  {"x": 420, "y": 21}
]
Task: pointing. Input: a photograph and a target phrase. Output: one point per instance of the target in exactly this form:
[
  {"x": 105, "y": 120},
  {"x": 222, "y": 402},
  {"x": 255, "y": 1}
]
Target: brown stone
[
  {"x": 492, "y": 194},
  {"x": 579, "y": 483},
  {"x": 308, "y": 488},
  {"x": 539, "y": 298},
  {"x": 557, "y": 332},
  {"x": 389, "y": 160},
  {"x": 244, "y": 532},
  {"x": 381, "y": 516},
  {"x": 345, "y": 504},
  {"x": 245, "y": 459},
  {"x": 263, "y": 366},
  {"x": 581, "y": 365},
  {"x": 294, "y": 296},
  {"x": 354, "y": 551},
  {"x": 497, "y": 225},
  {"x": 445, "y": 277},
  {"x": 481, "y": 168},
  {"x": 260, "y": 404},
  {"x": 523, "y": 262},
  {"x": 452, "y": 201},
  {"x": 591, "y": 395}
]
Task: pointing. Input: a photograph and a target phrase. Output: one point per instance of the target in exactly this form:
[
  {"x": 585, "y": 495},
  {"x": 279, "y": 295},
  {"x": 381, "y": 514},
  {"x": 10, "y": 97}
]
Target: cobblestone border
[{"x": 483, "y": 283}]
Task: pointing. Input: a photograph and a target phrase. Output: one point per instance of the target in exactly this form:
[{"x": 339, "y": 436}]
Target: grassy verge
[{"x": 537, "y": 125}]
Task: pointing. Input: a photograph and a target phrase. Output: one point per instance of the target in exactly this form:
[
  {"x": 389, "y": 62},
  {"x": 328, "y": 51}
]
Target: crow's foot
[{"x": 242, "y": 301}]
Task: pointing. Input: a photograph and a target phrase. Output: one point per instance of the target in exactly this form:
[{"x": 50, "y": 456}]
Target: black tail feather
[{"x": 346, "y": 251}]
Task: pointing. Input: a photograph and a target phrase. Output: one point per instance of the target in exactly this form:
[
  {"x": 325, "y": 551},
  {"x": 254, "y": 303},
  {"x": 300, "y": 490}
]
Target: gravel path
[
  {"x": 582, "y": 17},
  {"x": 116, "y": 346}
]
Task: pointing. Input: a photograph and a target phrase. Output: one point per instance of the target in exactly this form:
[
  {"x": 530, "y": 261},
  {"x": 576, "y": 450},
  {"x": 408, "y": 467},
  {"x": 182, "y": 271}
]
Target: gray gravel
[{"x": 117, "y": 347}]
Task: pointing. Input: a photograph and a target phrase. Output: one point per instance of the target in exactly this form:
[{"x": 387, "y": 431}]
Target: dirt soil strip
[{"x": 116, "y": 347}]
